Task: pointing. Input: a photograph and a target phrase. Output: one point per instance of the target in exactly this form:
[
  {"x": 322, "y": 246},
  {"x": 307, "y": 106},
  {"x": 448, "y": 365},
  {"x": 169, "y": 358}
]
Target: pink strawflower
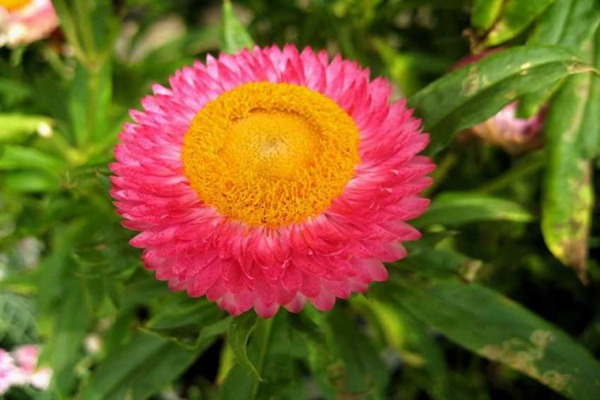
[
  {"x": 26, "y": 21},
  {"x": 271, "y": 177}
]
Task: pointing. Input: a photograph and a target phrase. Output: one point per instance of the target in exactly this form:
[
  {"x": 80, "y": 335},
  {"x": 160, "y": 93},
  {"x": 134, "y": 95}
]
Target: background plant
[{"x": 500, "y": 227}]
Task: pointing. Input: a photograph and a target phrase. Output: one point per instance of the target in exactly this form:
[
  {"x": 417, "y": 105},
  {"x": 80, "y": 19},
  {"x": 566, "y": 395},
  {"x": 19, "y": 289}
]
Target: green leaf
[
  {"x": 17, "y": 322},
  {"x": 138, "y": 369},
  {"x": 484, "y": 13},
  {"x": 90, "y": 102},
  {"x": 323, "y": 361},
  {"x": 30, "y": 182},
  {"x": 16, "y": 127},
  {"x": 183, "y": 321},
  {"x": 274, "y": 353},
  {"x": 202, "y": 312},
  {"x": 478, "y": 91},
  {"x": 20, "y": 157},
  {"x": 433, "y": 263},
  {"x": 239, "y": 382},
  {"x": 590, "y": 128},
  {"x": 499, "y": 329},
  {"x": 234, "y": 36},
  {"x": 570, "y": 24},
  {"x": 363, "y": 370},
  {"x": 571, "y": 129},
  {"x": 462, "y": 208},
  {"x": 90, "y": 27},
  {"x": 239, "y": 333},
  {"x": 64, "y": 315},
  {"x": 415, "y": 345},
  {"x": 13, "y": 92},
  {"x": 516, "y": 16},
  {"x": 568, "y": 198}
]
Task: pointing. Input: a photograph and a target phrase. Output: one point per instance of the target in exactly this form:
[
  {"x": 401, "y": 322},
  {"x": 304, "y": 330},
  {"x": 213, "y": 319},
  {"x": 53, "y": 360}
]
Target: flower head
[
  {"x": 270, "y": 178},
  {"x": 25, "y": 21}
]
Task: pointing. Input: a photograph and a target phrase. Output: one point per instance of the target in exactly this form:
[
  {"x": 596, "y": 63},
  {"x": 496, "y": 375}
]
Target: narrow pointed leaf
[
  {"x": 497, "y": 328},
  {"x": 461, "y": 208},
  {"x": 239, "y": 333},
  {"x": 478, "y": 91},
  {"x": 363, "y": 373},
  {"x": 138, "y": 369},
  {"x": 235, "y": 37},
  {"x": 567, "y": 199},
  {"x": 571, "y": 128}
]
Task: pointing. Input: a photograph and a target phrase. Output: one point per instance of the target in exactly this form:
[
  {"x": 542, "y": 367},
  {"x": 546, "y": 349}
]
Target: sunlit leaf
[
  {"x": 485, "y": 12},
  {"x": 15, "y": 127},
  {"x": 516, "y": 16},
  {"x": 235, "y": 37}
]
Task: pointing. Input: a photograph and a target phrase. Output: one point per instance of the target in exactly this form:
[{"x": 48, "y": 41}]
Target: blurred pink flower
[
  {"x": 272, "y": 177},
  {"x": 26, "y": 359},
  {"x": 20, "y": 367},
  {"x": 25, "y": 21},
  {"x": 10, "y": 374},
  {"x": 511, "y": 133}
]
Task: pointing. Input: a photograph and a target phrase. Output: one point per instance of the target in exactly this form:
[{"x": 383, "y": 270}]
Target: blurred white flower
[
  {"x": 44, "y": 129},
  {"x": 25, "y": 21},
  {"x": 93, "y": 343}
]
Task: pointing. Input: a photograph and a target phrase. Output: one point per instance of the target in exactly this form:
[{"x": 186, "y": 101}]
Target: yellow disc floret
[
  {"x": 11, "y": 5},
  {"x": 270, "y": 154}
]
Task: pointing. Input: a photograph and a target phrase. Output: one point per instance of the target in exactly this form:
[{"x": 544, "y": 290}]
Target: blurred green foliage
[{"x": 500, "y": 226}]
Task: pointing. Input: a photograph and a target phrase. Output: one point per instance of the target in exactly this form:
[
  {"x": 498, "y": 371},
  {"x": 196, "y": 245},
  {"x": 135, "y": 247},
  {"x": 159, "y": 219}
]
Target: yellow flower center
[
  {"x": 270, "y": 154},
  {"x": 11, "y": 5}
]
